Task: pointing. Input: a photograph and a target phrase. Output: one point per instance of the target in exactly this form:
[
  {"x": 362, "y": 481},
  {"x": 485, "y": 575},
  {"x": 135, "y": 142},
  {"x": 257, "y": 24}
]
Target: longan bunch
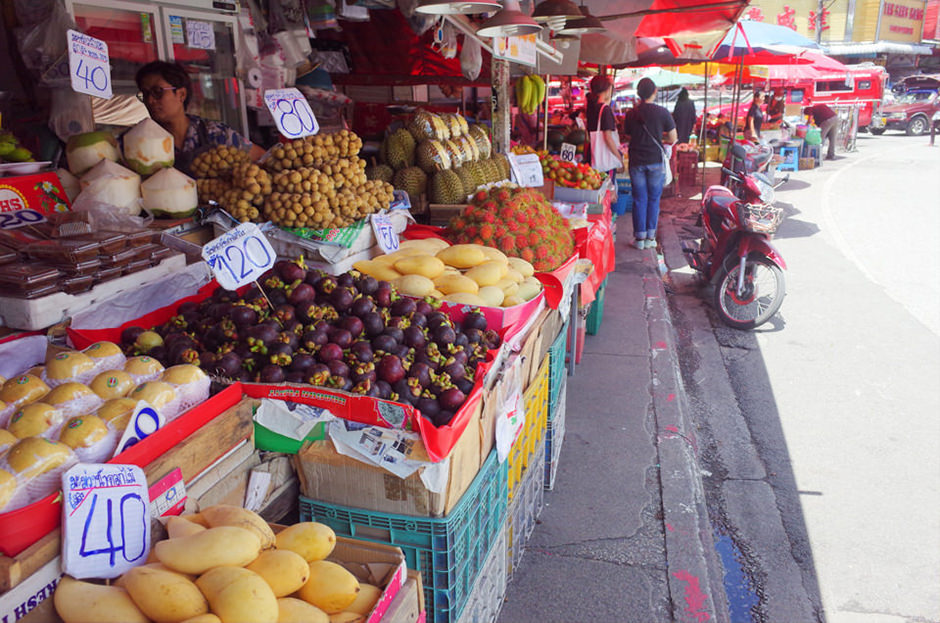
[
  {"x": 298, "y": 210},
  {"x": 314, "y": 150},
  {"x": 212, "y": 188},
  {"x": 218, "y": 161},
  {"x": 251, "y": 177},
  {"x": 241, "y": 204},
  {"x": 304, "y": 180},
  {"x": 346, "y": 172}
]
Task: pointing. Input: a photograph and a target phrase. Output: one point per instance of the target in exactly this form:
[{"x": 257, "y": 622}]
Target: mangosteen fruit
[
  {"x": 228, "y": 364},
  {"x": 302, "y": 294},
  {"x": 372, "y": 323},
  {"x": 352, "y": 324},
  {"x": 338, "y": 368},
  {"x": 361, "y": 306},
  {"x": 395, "y": 333},
  {"x": 451, "y": 399},
  {"x": 385, "y": 343},
  {"x": 284, "y": 314},
  {"x": 313, "y": 340},
  {"x": 403, "y": 307},
  {"x": 130, "y": 334},
  {"x": 428, "y": 407},
  {"x": 342, "y": 298},
  {"x": 423, "y": 307},
  {"x": 294, "y": 377},
  {"x": 280, "y": 354},
  {"x": 367, "y": 284},
  {"x": 473, "y": 320},
  {"x": 465, "y": 385},
  {"x": 385, "y": 390},
  {"x": 289, "y": 272},
  {"x": 329, "y": 352},
  {"x": 443, "y": 418},
  {"x": 345, "y": 280},
  {"x": 340, "y": 336},
  {"x": 422, "y": 372},
  {"x": 414, "y": 337},
  {"x": 318, "y": 374},
  {"x": 272, "y": 374},
  {"x": 362, "y": 351},
  {"x": 443, "y": 335},
  {"x": 390, "y": 369}
]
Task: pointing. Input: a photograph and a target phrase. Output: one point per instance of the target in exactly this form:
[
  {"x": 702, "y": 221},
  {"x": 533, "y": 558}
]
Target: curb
[{"x": 694, "y": 572}]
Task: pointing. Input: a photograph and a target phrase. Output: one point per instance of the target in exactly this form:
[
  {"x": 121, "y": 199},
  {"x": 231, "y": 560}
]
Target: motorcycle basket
[{"x": 762, "y": 218}]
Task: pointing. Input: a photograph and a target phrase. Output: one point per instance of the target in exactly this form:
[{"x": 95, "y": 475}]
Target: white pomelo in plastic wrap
[
  {"x": 70, "y": 184},
  {"x": 148, "y": 147},
  {"x": 111, "y": 184},
  {"x": 170, "y": 193},
  {"x": 84, "y": 151}
]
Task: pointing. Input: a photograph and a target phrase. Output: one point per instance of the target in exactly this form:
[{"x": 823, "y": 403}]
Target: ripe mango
[
  {"x": 521, "y": 266},
  {"x": 492, "y": 295},
  {"x": 382, "y": 271},
  {"x": 204, "y": 618},
  {"x": 494, "y": 254},
  {"x": 414, "y": 285},
  {"x": 462, "y": 255},
  {"x": 164, "y": 596},
  {"x": 347, "y": 617},
  {"x": 177, "y": 527},
  {"x": 488, "y": 273},
  {"x": 449, "y": 283},
  {"x": 291, "y": 610},
  {"x": 197, "y": 553},
  {"x": 283, "y": 570},
  {"x": 424, "y": 265},
  {"x": 227, "y": 515},
  {"x": 465, "y": 298},
  {"x": 330, "y": 587},
  {"x": 84, "y": 602},
  {"x": 238, "y": 595},
  {"x": 310, "y": 539},
  {"x": 365, "y": 600}
]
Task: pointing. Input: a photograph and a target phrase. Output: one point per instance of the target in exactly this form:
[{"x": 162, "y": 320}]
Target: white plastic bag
[{"x": 471, "y": 58}]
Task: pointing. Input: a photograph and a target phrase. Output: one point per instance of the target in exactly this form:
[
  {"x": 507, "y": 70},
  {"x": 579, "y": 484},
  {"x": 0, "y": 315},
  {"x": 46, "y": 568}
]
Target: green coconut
[
  {"x": 148, "y": 148},
  {"x": 170, "y": 193},
  {"x": 84, "y": 151},
  {"x": 113, "y": 185}
]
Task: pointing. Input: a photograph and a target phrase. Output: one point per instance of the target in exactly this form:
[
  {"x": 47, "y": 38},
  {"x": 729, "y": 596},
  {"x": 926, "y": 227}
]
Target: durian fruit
[
  {"x": 503, "y": 163},
  {"x": 477, "y": 172},
  {"x": 446, "y": 187},
  {"x": 469, "y": 147},
  {"x": 413, "y": 181},
  {"x": 382, "y": 172},
  {"x": 482, "y": 138},
  {"x": 451, "y": 119},
  {"x": 432, "y": 156},
  {"x": 456, "y": 154},
  {"x": 466, "y": 178},
  {"x": 400, "y": 149},
  {"x": 464, "y": 126},
  {"x": 441, "y": 129},
  {"x": 421, "y": 126},
  {"x": 490, "y": 171}
]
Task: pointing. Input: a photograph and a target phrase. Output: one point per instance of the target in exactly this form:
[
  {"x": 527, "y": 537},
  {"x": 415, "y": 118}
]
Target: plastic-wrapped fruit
[
  {"x": 68, "y": 366},
  {"x": 23, "y": 389},
  {"x": 34, "y": 419},
  {"x": 112, "y": 384},
  {"x": 7, "y": 487},
  {"x": 83, "y": 431},
  {"x": 67, "y": 392},
  {"x": 183, "y": 374},
  {"x": 34, "y": 456},
  {"x": 157, "y": 393},
  {"x": 117, "y": 412},
  {"x": 143, "y": 366}
]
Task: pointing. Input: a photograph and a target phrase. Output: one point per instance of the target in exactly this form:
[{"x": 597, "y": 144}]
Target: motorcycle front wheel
[{"x": 761, "y": 297}]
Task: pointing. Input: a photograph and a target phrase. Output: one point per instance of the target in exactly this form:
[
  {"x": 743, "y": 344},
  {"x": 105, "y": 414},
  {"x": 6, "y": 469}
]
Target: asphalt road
[{"x": 821, "y": 429}]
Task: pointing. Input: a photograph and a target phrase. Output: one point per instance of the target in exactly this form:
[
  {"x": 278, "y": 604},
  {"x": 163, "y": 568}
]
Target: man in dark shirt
[
  {"x": 645, "y": 125},
  {"x": 827, "y": 120}
]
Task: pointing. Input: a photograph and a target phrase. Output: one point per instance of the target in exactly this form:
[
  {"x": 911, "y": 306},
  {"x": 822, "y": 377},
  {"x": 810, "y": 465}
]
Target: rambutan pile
[{"x": 520, "y": 222}]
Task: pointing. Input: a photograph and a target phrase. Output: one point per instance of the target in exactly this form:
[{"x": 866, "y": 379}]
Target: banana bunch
[
  {"x": 530, "y": 92},
  {"x": 11, "y": 151}
]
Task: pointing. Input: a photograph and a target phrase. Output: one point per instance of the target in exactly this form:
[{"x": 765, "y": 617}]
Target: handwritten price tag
[
  {"x": 144, "y": 422},
  {"x": 526, "y": 170},
  {"x": 291, "y": 113},
  {"x": 385, "y": 233},
  {"x": 239, "y": 256},
  {"x": 200, "y": 35},
  {"x": 568, "y": 152},
  {"x": 105, "y": 519},
  {"x": 89, "y": 66}
]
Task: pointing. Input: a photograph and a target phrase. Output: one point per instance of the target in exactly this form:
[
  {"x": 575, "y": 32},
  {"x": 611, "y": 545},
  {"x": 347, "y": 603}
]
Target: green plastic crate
[{"x": 596, "y": 314}]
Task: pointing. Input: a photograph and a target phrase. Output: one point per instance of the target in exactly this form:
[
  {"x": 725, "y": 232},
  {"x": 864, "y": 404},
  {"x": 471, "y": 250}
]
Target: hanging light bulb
[
  {"x": 509, "y": 22},
  {"x": 457, "y": 7},
  {"x": 554, "y": 14},
  {"x": 586, "y": 24}
]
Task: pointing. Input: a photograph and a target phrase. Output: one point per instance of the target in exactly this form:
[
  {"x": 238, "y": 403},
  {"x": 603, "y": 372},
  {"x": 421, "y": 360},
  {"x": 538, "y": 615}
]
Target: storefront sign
[
  {"x": 176, "y": 30},
  {"x": 105, "y": 519},
  {"x": 144, "y": 422},
  {"x": 239, "y": 256},
  {"x": 568, "y": 152},
  {"x": 291, "y": 113},
  {"x": 516, "y": 49},
  {"x": 526, "y": 170},
  {"x": 901, "y": 21},
  {"x": 385, "y": 233},
  {"x": 200, "y": 35},
  {"x": 89, "y": 66},
  {"x": 27, "y": 199}
]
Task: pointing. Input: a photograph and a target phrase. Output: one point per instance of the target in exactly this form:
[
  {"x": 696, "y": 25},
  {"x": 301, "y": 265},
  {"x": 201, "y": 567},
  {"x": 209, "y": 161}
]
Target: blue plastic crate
[
  {"x": 449, "y": 552},
  {"x": 624, "y": 203},
  {"x": 556, "y": 364}
]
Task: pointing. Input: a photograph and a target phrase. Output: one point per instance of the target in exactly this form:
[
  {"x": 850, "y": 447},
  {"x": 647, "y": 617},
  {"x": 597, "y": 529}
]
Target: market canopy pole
[
  {"x": 703, "y": 135},
  {"x": 502, "y": 106}
]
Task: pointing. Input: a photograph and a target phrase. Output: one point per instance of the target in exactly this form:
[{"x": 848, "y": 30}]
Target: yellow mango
[
  {"x": 508, "y": 286},
  {"x": 382, "y": 271},
  {"x": 346, "y": 617},
  {"x": 310, "y": 539},
  {"x": 435, "y": 293},
  {"x": 465, "y": 298},
  {"x": 492, "y": 295},
  {"x": 238, "y": 595},
  {"x": 164, "y": 596},
  {"x": 227, "y": 515},
  {"x": 521, "y": 266},
  {"x": 291, "y": 610},
  {"x": 177, "y": 527},
  {"x": 83, "y": 602},
  {"x": 451, "y": 284},
  {"x": 488, "y": 273},
  {"x": 414, "y": 285},
  {"x": 462, "y": 255},
  {"x": 424, "y": 265},
  {"x": 284, "y": 571},
  {"x": 529, "y": 289},
  {"x": 512, "y": 300},
  {"x": 204, "y": 618},
  {"x": 197, "y": 553},
  {"x": 514, "y": 275},
  {"x": 425, "y": 245},
  {"x": 494, "y": 254},
  {"x": 365, "y": 600},
  {"x": 330, "y": 587}
]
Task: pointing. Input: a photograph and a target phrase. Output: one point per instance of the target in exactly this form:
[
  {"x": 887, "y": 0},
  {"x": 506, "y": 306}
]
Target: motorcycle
[
  {"x": 735, "y": 254},
  {"x": 744, "y": 157}
]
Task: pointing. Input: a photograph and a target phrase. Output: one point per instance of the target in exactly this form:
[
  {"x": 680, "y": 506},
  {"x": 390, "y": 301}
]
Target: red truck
[{"x": 915, "y": 105}]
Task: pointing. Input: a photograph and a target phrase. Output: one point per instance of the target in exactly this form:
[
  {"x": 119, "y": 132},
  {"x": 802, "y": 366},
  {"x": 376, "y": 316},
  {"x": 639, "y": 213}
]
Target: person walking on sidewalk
[
  {"x": 646, "y": 125},
  {"x": 827, "y": 120},
  {"x": 684, "y": 115}
]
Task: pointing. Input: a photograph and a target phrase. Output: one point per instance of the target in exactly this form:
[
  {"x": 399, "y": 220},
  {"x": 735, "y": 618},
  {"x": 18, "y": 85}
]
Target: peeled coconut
[
  {"x": 170, "y": 193},
  {"x": 84, "y": 151},
  {"x": 70, "y": 184},
  {"x": 111, "y": 184},
  {"x": 148, "y": 147}
]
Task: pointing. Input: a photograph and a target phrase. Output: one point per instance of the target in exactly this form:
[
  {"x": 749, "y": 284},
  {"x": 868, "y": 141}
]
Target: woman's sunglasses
[{"x": 155, "y": 93}]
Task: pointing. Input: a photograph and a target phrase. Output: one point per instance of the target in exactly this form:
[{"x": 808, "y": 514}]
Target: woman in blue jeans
[{"x": 646, "y": 125}]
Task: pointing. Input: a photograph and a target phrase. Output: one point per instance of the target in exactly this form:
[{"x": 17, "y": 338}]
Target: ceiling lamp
[
  {"x": 457, "y": 7},
  {"x": 555, "y": 13},
  {"x": 509, "y": 22},
  {"x": 586, "y": 24}
]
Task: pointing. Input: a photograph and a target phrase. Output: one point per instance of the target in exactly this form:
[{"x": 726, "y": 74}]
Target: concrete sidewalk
[{"x": 625, "y": 535}]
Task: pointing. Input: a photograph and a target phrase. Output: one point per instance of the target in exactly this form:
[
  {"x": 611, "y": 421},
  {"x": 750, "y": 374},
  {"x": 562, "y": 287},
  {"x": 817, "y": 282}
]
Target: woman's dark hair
[
  {"x": 645, "y": 88},
  {"x": 599, "y": 84},
  {"x": 173, "y": 73},
  {"x": 683, "y": 95}
]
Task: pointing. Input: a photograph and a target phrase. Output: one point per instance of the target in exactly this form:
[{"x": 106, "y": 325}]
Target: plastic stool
[
  {"x": 791, "y": 159},
  {"x": 813, "y": 151}
]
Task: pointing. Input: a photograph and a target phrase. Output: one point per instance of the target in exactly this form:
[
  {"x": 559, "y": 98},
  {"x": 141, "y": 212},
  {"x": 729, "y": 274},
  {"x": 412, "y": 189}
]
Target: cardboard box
[
  {"x": 31, "y": 599},
  {"x": 331, "y": 477},
  {"x": 406, "y": 607}
]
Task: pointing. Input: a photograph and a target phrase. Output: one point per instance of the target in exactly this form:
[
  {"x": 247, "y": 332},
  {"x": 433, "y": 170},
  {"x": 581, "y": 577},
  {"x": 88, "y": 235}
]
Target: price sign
[
  {"x": 89, "y": 67},
  {"x": 144, "y": 422},
  {"x": 20, "y": 218},
  {"x": 385, "y": 233},
  {"x": 291, "y": 113},
  {"x": 239, "y": 256},
  {"x": 168, "y": 495},
  {"x": 200, "y": 35},
  {"x": 568, "y": 152},
  {"x": 526, "y": 170},
  {"x": 105, "y": 519}
]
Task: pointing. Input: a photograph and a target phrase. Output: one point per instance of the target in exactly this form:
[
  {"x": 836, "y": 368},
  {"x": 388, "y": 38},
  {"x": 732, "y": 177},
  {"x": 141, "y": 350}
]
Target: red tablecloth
[{"x": 597, "y": 245}]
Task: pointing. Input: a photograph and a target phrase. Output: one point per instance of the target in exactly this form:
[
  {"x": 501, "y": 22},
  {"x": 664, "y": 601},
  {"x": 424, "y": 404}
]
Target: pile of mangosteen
[{"x": 349, "y": 332}]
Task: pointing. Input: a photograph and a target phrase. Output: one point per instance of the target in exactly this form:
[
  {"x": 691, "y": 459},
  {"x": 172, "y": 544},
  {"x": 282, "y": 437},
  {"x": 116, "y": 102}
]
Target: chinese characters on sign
[{"x": 787, "y": 18}]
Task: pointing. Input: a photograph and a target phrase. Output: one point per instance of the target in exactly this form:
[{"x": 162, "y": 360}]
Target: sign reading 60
[{"x": 291, "y": 113}]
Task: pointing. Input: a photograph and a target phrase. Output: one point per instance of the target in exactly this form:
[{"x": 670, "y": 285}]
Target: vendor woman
[{"x": 165, "y": 90}]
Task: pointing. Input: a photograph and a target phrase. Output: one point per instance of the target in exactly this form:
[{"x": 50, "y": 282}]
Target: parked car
[{"x": 912, "y": 109}]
